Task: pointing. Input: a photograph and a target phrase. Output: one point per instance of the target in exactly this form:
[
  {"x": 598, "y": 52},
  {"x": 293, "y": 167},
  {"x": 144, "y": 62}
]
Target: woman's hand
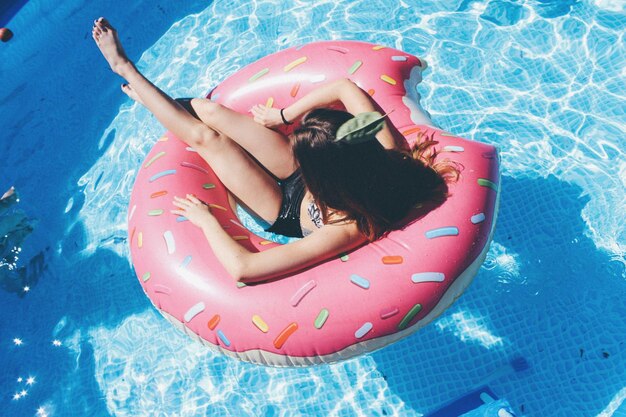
[
  {"x": 196, "y": 211},
  {"x": 266, "y": 116}
]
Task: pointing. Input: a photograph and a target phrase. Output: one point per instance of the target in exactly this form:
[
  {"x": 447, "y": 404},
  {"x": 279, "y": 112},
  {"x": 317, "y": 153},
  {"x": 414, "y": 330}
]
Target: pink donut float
[{"x": 337, "y": 308}]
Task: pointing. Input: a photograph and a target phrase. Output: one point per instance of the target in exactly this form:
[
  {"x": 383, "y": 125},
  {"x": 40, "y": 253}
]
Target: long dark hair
[{"x": 366, "y": 183}]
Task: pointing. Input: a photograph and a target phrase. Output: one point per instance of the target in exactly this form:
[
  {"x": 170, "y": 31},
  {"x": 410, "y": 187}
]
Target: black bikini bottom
[{"x": 288, "y": 221}]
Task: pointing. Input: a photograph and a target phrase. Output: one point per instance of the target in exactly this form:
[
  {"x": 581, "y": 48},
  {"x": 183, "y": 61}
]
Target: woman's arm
[
  {"x": 349, "y": 94},
  {"x": 246, "y": 266},
  {"x": 343, "y": 90}
]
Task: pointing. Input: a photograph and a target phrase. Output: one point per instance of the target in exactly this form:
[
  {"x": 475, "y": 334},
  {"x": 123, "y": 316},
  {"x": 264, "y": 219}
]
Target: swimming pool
[{"x": 544, "y": 80}]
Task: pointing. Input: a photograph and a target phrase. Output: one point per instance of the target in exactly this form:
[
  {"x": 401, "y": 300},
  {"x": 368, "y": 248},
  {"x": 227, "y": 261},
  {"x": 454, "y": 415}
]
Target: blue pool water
[{"x": 544, "y": 80}]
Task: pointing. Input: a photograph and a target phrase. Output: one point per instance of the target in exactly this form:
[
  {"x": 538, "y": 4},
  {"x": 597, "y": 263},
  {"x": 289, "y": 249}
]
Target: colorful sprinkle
[
  {"x": 318, "y": 78},
  {"x": 302, "y": 292},
  {"x": 269, "y": 102},
  {"x": 145, "y": 276},
  {"x": 478, "y": 218},
  {"x": 378, "y": 47},
  {"x": 223, "y": 338},
  {"x": 169, "y": 242},
  {"x": 208, "y": 186},
  {"x": 132, "y": 234},
  {"x": 442, "y": 231},
  {"x": 154, "y": 158},
  {"x": 295, "y": 89},
  {"x": 453, "y": 149},
  {"x": 190, "y": 149},
  {"x": 338, "y": 49},
  {"x": 371, "y": 92},
  {"x": 240, "y": 237},
  {"x": 486, "y": 183},
  {"x": 194, "y": 166},
  {"x": 388, "y": 312},
  {"x": 355, "y": 67},
  {"x": 294, "y": 64},
  {"x": 447, "y": 134},
  {"x": 388, "y": 79},
  {"x": 235, "y": 222},
  {"x": 163, "y": 139},
  {"x": 259, "y": 74},
  {"x": 428, "y": 277},
  {"x": 412, "y": 130},
  {"x": 194, "y": 311},
  {"x": 156, "y": 212},
  {"x": 162, "y": 174},
  {"x": 392, "y": 260},
  {"x": 399, "y": 58},
  {"x": 181, "y": 219},
  {"x": 360, "y": 281},
  {"x": 162, "y": 289},
  {"x": 139, "y": 239},
  {"x": 344, "y": 257},
  {"x": 185, "y": 262},
  {"x": 260, "y": 323},
  {"x": 363, "y": 330},
  {"x": 217, "y": 206},
  {"x": 265, "y": 242},
  {"x": 158, "y": 194},
  {"x": 409, "y": 316},
  {"x": 321, "y": 318},
  {"x": 215, "y": 320},
  {"x": 284, "y": 335},
  {"x": 241, "y": 284},
  {"x": 132, "y": 213}
]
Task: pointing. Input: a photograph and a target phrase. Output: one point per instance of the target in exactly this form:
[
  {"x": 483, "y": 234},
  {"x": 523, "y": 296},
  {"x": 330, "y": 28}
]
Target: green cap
[{"x": 361, "y": 128}]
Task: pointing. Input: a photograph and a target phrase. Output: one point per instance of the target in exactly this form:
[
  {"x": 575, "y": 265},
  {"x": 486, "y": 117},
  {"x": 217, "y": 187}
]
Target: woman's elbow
[
  {"x": 241, "y": 271},
  {"x": 237, "y": 273},
  {"x": 245, "y": 278},
  {"x": 345, "y": 83},
  {"x": 348, "y": 90},
  {"x": 244, "y": 275}
]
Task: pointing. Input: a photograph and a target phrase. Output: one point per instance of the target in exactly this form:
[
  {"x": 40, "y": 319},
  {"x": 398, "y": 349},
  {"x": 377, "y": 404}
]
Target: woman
[{"x": 353, "y": 187}]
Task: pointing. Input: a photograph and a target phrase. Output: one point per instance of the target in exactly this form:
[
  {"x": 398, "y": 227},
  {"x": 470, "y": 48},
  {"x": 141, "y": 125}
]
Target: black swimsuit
[{"x": 288, "y": 221}]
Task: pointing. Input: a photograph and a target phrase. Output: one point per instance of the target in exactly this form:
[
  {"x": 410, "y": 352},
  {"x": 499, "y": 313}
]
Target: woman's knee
[
  {"x": 207, "y": 110},
  {"x": 203, "y": 137}
]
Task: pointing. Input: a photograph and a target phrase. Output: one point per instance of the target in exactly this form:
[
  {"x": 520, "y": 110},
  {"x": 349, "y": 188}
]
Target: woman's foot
[
  {"x": 110, "y": 46},
  {"x": 128, "y": 90}
]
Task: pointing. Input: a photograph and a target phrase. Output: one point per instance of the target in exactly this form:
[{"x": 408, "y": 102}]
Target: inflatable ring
[{"x": 340, "y": 307}]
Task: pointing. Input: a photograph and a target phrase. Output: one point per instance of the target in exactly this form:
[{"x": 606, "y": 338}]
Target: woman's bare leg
[
  {"x": 270, "y": 148},
  {"x": 236, "y": 169}
]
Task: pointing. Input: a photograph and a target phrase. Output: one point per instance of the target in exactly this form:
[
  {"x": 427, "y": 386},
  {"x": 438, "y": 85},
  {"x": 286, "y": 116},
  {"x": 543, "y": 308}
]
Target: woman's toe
[
  {"x": 106, "y": 23},
  {"x": 103, "y": 24},
  {"x": 100, "y": 26}
]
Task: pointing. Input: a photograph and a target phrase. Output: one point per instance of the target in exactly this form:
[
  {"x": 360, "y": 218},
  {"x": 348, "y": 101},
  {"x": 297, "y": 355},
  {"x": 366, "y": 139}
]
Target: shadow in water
[
  {"x": 17, "y": 276},
  {"x": 76, "y": 293},
  {"x": 545, "y": 293}
]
